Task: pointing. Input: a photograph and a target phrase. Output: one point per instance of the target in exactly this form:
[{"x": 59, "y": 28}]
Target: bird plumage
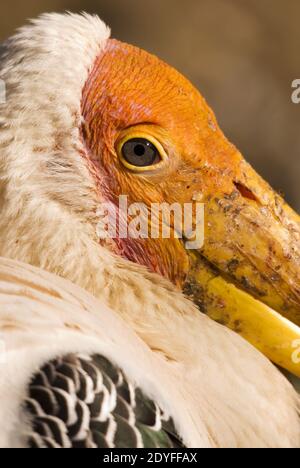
[
  {"x": 44, "y": 317},
  {"x": 82, "y": 401},
  {"x": 231, "y": 395}
]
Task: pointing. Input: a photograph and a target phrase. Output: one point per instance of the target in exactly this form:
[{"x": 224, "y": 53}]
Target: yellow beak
[{"x": 247, "y": 274}]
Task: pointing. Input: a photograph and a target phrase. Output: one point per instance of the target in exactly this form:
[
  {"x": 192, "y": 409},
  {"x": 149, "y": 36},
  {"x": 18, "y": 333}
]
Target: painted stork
[{"x": 103, "y": 343}]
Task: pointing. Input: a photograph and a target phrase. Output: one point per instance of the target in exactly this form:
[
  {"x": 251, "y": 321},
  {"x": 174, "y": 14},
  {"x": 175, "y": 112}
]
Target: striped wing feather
[{"x": 82, "y": 401}]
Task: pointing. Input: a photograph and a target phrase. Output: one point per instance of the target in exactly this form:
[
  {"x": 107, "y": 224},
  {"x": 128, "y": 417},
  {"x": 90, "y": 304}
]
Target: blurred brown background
[{"x": 242, "y": 54}]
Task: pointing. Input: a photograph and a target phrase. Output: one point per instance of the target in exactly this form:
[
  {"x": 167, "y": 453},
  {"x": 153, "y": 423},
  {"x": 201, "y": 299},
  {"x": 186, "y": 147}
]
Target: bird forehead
[{"x": 129, "y": 86}]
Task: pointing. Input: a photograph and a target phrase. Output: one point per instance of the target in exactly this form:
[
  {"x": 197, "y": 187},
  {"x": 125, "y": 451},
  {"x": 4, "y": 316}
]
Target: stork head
[{"x": 99, "y": 120}]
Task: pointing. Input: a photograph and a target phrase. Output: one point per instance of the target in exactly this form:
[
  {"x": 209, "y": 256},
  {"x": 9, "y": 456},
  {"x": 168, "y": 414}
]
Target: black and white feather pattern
[{"x": 80, "y": 401}]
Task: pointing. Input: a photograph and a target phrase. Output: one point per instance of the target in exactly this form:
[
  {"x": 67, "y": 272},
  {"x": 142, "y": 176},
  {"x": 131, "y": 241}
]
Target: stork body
[
  {"x": 44, "y": 317},
  {"x": 218, "y": 390}
]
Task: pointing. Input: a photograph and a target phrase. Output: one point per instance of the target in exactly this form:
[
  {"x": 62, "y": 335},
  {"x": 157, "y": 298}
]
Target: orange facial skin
[
  {"x": 129, "y": 88},
  {"x": 250, "y": 234}
]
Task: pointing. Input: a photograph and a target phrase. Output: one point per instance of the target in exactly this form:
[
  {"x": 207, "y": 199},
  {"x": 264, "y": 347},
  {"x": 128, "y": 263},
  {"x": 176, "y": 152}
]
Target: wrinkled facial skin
[
  {"x": 135, "y": 89},
  {"x": 251, "y": 236}
]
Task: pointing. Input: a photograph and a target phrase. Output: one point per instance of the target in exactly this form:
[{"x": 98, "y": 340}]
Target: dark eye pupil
[{"x": 140, "y": 152}]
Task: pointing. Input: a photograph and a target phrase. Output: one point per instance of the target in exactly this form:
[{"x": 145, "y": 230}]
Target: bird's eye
[{"x": 140, "y": 153}]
